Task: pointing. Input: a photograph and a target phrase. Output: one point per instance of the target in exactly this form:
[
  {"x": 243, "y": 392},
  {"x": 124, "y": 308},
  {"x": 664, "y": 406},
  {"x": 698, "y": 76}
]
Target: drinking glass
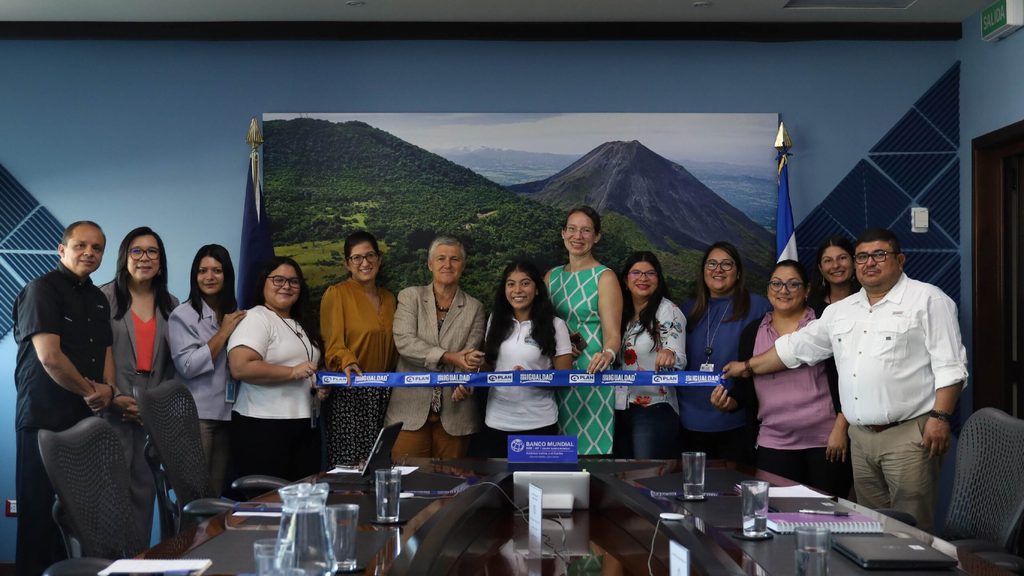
[
  {"x": 389, "y": 487},
  {"x": 344, "y": 522},
  {"x": 754, "y": 494},
  {"x": 693, "y": 475},
  {"x": 812, "y": 546}
]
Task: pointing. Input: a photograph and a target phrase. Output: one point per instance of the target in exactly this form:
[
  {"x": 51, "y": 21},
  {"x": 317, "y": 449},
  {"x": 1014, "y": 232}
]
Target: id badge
[
  {"x": 707, "y": 367},
  {"x": 621, "y": 397},
  {"x": 231, "y": 391}
]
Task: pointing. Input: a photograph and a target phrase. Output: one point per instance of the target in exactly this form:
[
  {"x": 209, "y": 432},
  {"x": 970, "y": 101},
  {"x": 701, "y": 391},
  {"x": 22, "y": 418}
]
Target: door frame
[{"x": 988, "y": 233}]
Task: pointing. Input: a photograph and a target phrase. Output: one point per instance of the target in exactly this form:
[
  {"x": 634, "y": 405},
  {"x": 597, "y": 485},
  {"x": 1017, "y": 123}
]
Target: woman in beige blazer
[{"x": 438, "y": 328}]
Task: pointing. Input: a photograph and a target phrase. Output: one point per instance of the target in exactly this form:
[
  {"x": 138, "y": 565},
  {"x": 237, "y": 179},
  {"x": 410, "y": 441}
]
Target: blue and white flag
[
  {"x": 256, "y": 246},
  {"x": 785, "y": 233}
]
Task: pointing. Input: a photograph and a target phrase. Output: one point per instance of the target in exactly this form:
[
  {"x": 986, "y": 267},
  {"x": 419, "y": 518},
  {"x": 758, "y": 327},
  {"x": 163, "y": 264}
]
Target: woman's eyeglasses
[
  {"x": 137, "y": 253},
  {"x": 725, "y": 265},
  {"x": 791, "y": 286},
  {"x": 280, "y": 281},
  {"x": 645, "y": 274},
  {"x": 370, "y": 257}
]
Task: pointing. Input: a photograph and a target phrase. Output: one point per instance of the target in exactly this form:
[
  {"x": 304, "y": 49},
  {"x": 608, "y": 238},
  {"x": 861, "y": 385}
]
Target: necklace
[
  {"x": 709, "y": 337},
  {"x": 442, "y": 309},
  {"x": 297, "y": 330}
]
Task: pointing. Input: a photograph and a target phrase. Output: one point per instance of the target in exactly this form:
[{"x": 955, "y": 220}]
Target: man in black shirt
[{"x": 64, "y": 373}]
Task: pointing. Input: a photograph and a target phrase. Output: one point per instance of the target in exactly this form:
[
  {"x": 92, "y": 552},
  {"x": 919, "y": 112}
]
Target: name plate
[{"x": 542, "y": 449}]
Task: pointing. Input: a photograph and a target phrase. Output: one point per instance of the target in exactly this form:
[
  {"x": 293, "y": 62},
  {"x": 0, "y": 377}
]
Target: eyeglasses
[
  {"x": 137, "y": 253},
  {"x": 645, "y": 274},
  {"x": 280, "y": 281},
  {"x": 584, "y": 231},
  {"x": 725, "y": 265},
  {"x": 370, "y": 257},
  {"x": 877, "y": 256},
  {"x": 791, "y": 286}
]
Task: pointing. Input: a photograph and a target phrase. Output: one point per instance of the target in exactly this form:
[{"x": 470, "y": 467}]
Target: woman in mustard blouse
[{"x": 355, "y": 318}]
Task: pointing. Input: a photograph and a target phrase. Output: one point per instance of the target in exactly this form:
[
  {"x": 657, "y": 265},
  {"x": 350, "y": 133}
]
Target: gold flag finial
[
  {"x": 782, "y": 141},
  {"x": 255, "y": 137}
]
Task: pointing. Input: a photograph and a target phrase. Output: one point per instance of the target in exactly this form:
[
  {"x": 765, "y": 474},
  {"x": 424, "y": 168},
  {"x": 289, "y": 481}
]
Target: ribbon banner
[{"x": 548, "y": 378}]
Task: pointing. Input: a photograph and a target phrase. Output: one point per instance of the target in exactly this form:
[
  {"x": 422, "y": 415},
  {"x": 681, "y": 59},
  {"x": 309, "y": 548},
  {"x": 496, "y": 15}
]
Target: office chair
[
  {"x": 87, "y": 468},
  {"x": 175, "y": 455},
  {"x": 987, "y": 504}
]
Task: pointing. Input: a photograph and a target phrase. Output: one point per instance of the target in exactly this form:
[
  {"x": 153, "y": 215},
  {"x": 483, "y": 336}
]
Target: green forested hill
[{"x": 325, "y": 180}]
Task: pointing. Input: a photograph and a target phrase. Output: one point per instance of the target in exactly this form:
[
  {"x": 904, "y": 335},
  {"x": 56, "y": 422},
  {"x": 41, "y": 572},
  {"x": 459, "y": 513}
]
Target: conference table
[{"x": 461, "y": 520}]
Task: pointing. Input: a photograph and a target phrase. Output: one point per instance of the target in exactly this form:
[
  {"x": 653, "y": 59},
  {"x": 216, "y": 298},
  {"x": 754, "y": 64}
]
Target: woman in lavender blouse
[
  {"x": 198, "y": 331},
  {"x": 796, "y": 409}
]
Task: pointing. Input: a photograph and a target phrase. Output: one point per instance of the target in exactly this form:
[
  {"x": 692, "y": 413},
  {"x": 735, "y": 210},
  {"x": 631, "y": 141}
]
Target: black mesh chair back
[
  {"x": 87, "y": 468},
  {"x": 988, "y": 484},
  {"x": 170, "y": 418}
]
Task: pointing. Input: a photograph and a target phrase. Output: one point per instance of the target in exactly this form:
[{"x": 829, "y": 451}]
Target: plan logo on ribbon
[
  {"x": 332, "y": 379},
  {"x": 416, "y": 379},
  {"x": 499, "y": 378},
  {"x": 665, "y": 379},
  {"x": 581, "y": 378}
]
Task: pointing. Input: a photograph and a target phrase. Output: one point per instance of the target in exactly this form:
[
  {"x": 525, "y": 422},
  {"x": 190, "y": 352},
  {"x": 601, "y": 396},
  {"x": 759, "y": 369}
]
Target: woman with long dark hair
[
  {"x": 356, "y": 319},
  {"x": 835, "y": 279},
  {"x": 198, "y": 332},
  {"x": 139, "y": 306},
  {"x": 274, "y": 353},
  {"x": 653, "y": 339},
  {"x": 523, "y": 333},
  {"x": 715, "y": 316}
]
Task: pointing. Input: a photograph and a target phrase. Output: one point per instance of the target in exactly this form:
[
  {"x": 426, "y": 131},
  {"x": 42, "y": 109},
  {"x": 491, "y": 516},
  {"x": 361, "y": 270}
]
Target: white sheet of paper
[
  {"x": 157, "y": 567},
  {"x": 406, "y": 470},
  {"x": 678, "y": 559},
  {"x": 257, "y": 514},
  {"x": 798, "y": 491},
  {"x": 536, "y": 520}
]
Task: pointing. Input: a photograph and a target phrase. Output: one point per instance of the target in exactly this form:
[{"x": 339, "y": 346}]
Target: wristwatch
[{"x": 944, "y": 416}]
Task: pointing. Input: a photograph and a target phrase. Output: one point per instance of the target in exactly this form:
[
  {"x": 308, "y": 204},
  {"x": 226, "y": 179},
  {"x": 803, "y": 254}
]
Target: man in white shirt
[{"x": 901, "y": 366}]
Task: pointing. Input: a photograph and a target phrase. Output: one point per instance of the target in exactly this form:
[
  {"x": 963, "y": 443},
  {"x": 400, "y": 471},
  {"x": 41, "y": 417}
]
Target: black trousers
[
  {"x": 39, "y": 541},
  {"x": 288, "y": 449},
  {"x": 808, "y": 466},
  {"x": 736, "y": 444}
]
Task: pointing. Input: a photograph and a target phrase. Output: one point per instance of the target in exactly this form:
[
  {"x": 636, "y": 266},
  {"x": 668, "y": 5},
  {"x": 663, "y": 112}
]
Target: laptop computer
[
  {"x": 379, "y": 457},
  {"x": 889, "y": 552}
]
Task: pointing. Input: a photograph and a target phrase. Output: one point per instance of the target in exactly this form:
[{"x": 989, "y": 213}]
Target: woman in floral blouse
[{"x": 653, "y": 339}]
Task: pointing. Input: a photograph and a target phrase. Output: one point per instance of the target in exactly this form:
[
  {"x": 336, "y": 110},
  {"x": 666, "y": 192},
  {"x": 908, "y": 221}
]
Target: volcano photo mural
[{"x": 501, "y": 183}]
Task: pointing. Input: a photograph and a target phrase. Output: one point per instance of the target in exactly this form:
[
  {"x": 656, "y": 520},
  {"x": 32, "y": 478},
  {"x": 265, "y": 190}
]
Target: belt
[{"x": 883, "y": 427}]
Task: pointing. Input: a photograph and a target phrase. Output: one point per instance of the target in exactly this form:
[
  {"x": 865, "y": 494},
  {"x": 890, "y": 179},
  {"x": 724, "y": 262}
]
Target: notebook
[
  {"x": 854, "y": 523},
  {"x": 889, "y": 552}
]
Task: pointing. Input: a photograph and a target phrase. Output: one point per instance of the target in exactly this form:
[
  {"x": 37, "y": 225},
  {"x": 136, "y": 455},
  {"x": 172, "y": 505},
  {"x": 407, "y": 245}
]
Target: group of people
[{"x": 787, "y": 406}]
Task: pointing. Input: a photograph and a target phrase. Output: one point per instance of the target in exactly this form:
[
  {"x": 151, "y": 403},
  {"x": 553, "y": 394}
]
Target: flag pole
[
  {"x": 256, "y": 246},
  {"x": 785, "y": 233}
]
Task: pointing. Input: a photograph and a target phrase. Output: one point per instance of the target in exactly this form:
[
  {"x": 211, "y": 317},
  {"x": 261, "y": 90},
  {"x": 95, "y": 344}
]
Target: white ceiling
[{"x": 767, "y": 11}]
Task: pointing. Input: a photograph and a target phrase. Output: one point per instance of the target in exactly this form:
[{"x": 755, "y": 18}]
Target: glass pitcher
[{"x": 304, "y": 527}]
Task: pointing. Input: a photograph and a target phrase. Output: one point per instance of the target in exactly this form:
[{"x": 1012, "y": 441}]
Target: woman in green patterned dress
[{"x": 587, "y": 296}]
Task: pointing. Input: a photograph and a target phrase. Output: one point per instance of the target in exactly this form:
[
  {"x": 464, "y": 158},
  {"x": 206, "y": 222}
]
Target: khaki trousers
[
  {"x": 430, "y": 441},
  {"x": 892, "y": 470}
]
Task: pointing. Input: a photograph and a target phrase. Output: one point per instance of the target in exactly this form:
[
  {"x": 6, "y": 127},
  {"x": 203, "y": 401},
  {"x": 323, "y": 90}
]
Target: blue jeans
[{"x": 647, "y": 432}]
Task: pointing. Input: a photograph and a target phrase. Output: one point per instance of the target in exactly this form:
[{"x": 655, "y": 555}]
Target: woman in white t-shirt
[
  {"x": 274, "y": 353},
  {"x": 523, "y": 333}
]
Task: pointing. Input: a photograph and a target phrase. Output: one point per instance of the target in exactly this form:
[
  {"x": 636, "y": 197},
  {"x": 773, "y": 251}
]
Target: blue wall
[{"x": 133, "y": 133}]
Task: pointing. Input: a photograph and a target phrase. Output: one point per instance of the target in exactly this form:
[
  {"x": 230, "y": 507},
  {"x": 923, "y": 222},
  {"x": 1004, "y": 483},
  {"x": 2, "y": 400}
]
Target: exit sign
[{"x": 1001, "y": 18}]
